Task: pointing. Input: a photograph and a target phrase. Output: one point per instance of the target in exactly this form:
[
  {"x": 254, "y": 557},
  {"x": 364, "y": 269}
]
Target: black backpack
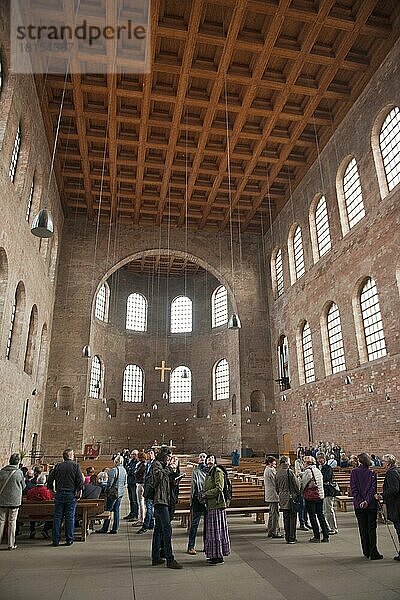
[{"x": 228, "y": 491}]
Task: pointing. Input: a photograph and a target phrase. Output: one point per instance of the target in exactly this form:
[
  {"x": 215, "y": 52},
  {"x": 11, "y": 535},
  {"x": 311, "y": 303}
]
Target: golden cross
[{"x": 163, "y": 368}]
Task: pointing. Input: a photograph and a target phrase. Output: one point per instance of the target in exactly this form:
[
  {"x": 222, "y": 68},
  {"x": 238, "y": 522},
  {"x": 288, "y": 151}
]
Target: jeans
[
  {"x": 329, "y": 512},
  {"x": 289, "y": 523},
  {"x": 114, "y": 508},
  {"x": 12, "y": 514},
  {"x": 195, "y": 520},
  {"x": 366, "y": 518},
  {"x": 64, "y": 508},
  {"x": 148, "y": 522},
  {"x": 132, "y": 500},
  {"x": 315, "y": 509},
  {"x": 162, "y": 533},
  {"x": 273, "y": 519},
  {"x": 302, "y": 512}
]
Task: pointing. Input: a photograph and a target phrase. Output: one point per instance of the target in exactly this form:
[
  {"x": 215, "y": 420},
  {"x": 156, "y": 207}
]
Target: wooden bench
[{"x": 44, "y": 511}]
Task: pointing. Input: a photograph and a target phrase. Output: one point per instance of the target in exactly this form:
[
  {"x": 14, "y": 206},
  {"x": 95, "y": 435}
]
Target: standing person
[
  {"x": 162, "y": 534},
  {"x": 287, "y": 488},
  {"x": 130, "y": 469},
  {"x": 391, "y": 493},
  {"x": 235, "y": 458},
  {"x": 68, "y": 479},
  {"x": 148, "y": 522},
  {"x": 312, "y": 487},
  {"x": 271, "y": 498},
  {"x": 197, "y": 506},
  {"x": 217, "y": 534},
  {"x": 329, "y": 495},
  {"x": 301, "y": 509},
  {"x": 114, "y": 491},
  {"x": 12, "y": 483},
  {"x": 363, "y": 487},
  {"x": 139, "y": 477}
]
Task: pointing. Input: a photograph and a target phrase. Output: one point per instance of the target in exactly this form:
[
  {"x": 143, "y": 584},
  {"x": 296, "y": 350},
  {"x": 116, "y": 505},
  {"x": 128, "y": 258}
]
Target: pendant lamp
[
  {"x": 86, "y": 352},
  {"x": 185, "y": 374},
  {"x": 234, "y": 322},
  {"x": 42, "y": 225}
]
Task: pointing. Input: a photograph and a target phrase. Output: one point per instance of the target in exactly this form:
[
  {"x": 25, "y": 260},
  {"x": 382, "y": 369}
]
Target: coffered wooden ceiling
[
  {"x": 164, "y": 264},
  {"x": 261, "y": 82}
]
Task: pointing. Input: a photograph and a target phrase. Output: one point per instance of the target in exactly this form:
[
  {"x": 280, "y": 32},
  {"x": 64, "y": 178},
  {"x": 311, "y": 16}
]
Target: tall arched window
[
  {"x": 389, "y": 144},
  {"x": 335, "y": 339},
  {"x": 219, "y": 307},
  {"x": 298, "y": 253},
  {"x": 353, "y": 194},
  {"x": 322, "y": 227},
  {"x": 3, "y": 281},
  {"x": 16, "y": 323},
  {"x": 180, "y": 385},
  {"x": 132, "y": 390},
  {"x": 283, "y": 363},
  {"x": 221, "y": 380},
  {"x": 308, "y": 356},
  {"x": 15, "y": 153},
  {"x": 102, "y": 302},
  {"x": 31, "y": 341},
  {"x": 181, "y": 315},
  {"x": 279, "y": 273},
  {"x": 30, "y": 200},
  {"x": 95, "y": 378},
  {"x": 372, "y": 321},
  {"x": 136, "y": 312}
]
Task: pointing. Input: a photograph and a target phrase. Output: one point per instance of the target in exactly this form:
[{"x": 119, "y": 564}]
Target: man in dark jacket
[
  {"x": 130, "y": 470},
  {"x": 12, "y": 482},
  {"x": 391, "y": 493},
  {"x": 68, "y": 479},
  {"x": 162, "y": 534},
  {"x": 329, "y": 495}
]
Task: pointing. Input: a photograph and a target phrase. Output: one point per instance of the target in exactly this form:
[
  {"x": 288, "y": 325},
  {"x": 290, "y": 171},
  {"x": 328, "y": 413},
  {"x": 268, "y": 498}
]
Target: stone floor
[{"x": 107, "y": 567}]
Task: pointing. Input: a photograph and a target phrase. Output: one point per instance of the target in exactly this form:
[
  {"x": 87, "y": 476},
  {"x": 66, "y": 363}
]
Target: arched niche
[
  {"x": 65, "y": 398},
  {"x": 112, "y": 405},
  {"x": 257, "y": 401},
  {"x": 233, "y": 404},
  {"x": 201, "y": 409}
]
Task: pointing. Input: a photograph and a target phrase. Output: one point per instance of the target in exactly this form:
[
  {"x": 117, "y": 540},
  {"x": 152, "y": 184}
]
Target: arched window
[
  {"x": 221, "y": 380},
  {"x": 31, "y": 341},
  {"x": 279, "y": 273},
  {"x": 322, "y": 227},
  {"x": 102, "y": 302},
  {"x": 3, "y": 280},
  {"x": 308, "y": 357},
  {"x": 132, "y": 390},
  {"x": 30, "y": 200},
  {"x": 42, "y": 362},
  {"x": 219, "y": 306},
  {"x": 181, "y": 315},
  {"x": 389, "y": 144},
  {"x": 335, "y": 339},
  {"x": 95, "y": 378},
  {"x": 283, "y": 363},
  {"x": 15, "y": 154},
  {"x": 180, "y": 385},
  {"x": 16, "y": 322},
  {"x": 372, "y": 321},
  {"x": 136, "y": 312},
  {"x": 352, "y": 194},
  {"x": 298, "y": 254}
]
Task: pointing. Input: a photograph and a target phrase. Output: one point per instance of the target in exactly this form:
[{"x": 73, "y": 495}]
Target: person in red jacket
[{"x": 40, "y": 493}]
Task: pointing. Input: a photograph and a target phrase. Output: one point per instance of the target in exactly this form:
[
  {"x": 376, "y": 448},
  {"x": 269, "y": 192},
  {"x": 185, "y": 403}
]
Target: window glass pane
[
  {"x": 101, "y": 303},
  {"x": 308, "y": 357},
  {"x": 322, "y": 227},
  {"x": 30, "y": 198},
  {"x": 220, "y": 307},
  {"x": 180, "y": 386},
  {"x": 132, "y": 390},
  {"x": 279, "y": 273},
  {"x": 11, "y": 329},
  {"x": 298, "y": 253},
  {"x": 14, "y": 155},
  {"x": 335, "y": 339},
  {"x": 95, "y": 378},
  {"x": 372, "y": 321},
  {"x": 352, "y": 194},
  {"x": 136, "y": 312},
  {"x": 389, "y": 142},
  {"x": 221, "y": 380},
  {"x": 181, "y": 315}
]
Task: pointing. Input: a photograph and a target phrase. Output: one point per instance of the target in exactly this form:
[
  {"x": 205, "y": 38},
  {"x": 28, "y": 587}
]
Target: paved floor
[{"x": 107, "y": 567}]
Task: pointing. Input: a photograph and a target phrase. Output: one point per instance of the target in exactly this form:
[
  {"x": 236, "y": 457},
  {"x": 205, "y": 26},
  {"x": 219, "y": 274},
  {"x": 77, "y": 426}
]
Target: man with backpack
[{"x": 197, "y": 507}]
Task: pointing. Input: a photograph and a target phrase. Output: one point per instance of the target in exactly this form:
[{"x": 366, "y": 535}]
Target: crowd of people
[
  {"x": 335, "y": 455},
  {"x": 305, "y": 492}
]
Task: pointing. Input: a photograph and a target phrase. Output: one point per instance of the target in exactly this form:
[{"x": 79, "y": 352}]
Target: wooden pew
[{"x": 44, "y": 511}]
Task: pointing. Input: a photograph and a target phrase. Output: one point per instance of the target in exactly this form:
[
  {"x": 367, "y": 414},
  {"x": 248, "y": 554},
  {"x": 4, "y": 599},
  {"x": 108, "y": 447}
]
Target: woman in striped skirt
[{"x": 217, "y": 536}]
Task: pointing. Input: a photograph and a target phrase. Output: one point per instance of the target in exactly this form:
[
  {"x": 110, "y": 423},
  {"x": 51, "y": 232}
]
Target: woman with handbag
[
  {"x": 313, "y": 491},
  {"x": 115, "y": 490},
  {"x": 288, "y": 490}
]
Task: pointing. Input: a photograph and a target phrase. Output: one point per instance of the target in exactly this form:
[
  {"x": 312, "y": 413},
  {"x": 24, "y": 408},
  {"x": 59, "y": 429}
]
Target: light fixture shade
[
  {"x": 234, "y": 322},
  {"x": 185, "y": 374},
  {"x": 165, "y": 396},
  {"x": 86, "y": 352},
  {"x": 42, "y": 225}
]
